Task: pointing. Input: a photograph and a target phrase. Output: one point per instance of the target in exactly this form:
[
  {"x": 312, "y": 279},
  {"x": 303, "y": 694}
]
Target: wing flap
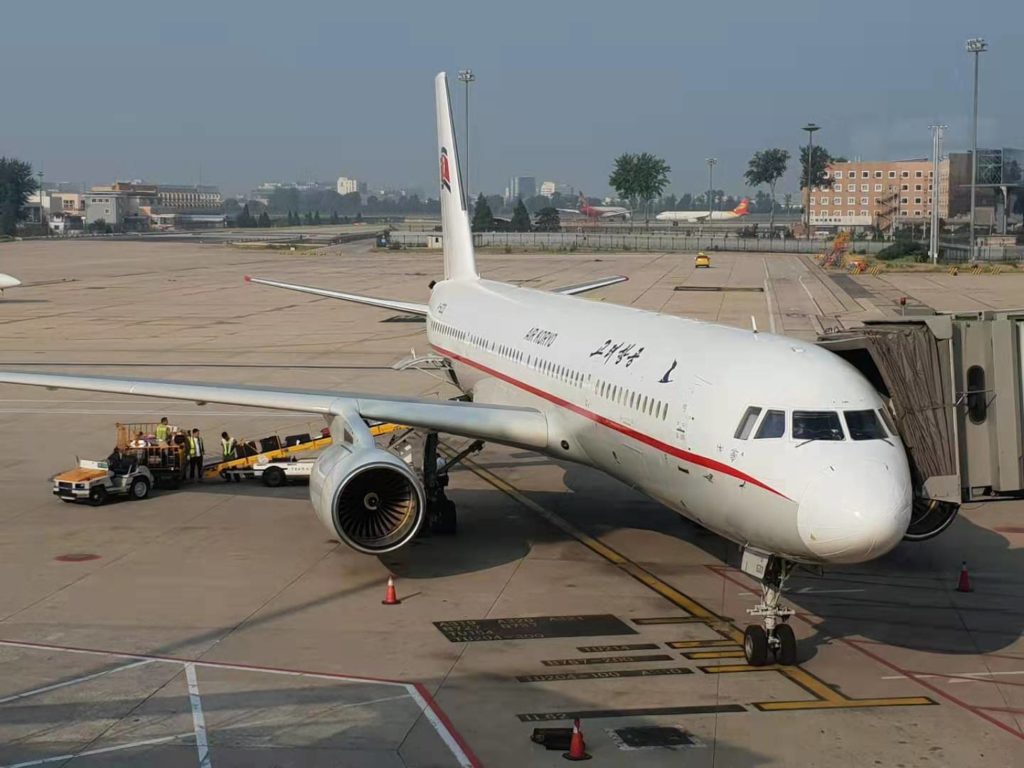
[
  {"x": 400, "y": 306},
  {"x": 520, "y": 427}
]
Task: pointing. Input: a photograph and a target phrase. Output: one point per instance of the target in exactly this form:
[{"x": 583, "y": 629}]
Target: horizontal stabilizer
[
  {"x": 399, "y": 306},
  {"x": 572, "y": 290}
]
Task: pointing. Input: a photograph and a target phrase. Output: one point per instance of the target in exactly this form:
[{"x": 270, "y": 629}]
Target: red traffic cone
[
  {"x": 964, "y": 584},
  {"x": 577, "y": 747},
  {"x": 391, "y": 596}
]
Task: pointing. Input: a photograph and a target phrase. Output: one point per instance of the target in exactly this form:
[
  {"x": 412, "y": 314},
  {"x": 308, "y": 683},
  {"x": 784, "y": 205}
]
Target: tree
[
  {"x": 820, "y": 162},
  {"x": 264, "y": 220},
  {"x": 16, "y": 184},
  {"x": 767, "y": 166},
  {"x": 316, "y": 217},
  {"x": 548, "y": 220},
  {"x": 334, "y": 217},
  {"x": 245, "y": 219},
  {"x": 483, "y": 219},
  {"x": 309, "y": 217},
  {"x": 521, "y": 217},
  {"x": 639, "y": 178}
]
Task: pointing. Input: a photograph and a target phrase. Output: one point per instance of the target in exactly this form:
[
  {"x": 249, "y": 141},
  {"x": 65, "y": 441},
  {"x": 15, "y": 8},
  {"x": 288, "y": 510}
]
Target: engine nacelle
[{"x": 368, "y": 497}]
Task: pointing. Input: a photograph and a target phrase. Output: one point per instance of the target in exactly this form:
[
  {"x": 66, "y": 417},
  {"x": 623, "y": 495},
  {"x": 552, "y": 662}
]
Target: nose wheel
[{"x": 773, "y": 637}]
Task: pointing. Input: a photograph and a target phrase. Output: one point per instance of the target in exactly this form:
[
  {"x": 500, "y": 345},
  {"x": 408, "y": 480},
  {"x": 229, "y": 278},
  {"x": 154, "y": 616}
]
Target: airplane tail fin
[
  {"x": 459, "y": 260},
  {"x": 743, "y": 208}
]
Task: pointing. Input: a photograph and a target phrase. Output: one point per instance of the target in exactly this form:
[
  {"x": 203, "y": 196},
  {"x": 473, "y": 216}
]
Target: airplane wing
[
  {"x": 613, "y": 214},
  {"x": 401, "y": 306},
  {"x": 568, "y": 210},
  {"x": 520, "y": 427},
  {"x": 572, "y": 290}
]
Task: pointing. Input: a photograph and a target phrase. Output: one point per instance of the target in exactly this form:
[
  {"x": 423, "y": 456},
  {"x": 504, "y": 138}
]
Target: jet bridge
[{"x": 954, "y": 387}]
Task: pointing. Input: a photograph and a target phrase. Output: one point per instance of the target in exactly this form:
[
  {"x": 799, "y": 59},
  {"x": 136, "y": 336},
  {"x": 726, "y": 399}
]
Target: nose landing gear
[{"x": 773, "y": 635}]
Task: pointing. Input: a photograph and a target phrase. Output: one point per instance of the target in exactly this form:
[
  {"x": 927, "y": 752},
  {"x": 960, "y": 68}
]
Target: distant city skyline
[{"x": 317, "y": 90}]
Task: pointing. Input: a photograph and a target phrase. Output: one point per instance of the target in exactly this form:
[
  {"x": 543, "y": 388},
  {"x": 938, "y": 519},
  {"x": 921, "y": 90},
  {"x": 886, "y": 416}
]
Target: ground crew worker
[
  {"x": 227, "y": 446},
  {"x": 195, "y": 456},
  {"x": 163, "y": 431}
]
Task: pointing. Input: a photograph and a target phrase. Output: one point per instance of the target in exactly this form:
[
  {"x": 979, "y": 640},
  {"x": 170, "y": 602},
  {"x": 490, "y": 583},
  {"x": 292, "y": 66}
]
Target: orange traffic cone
[
  {"x": 964, "y": 584},
  {"x": 391, "y": 596},
  {"x": 577, "y": 747}
]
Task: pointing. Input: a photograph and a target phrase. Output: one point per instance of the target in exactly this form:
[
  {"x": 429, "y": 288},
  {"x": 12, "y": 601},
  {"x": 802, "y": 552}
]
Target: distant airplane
[
  {"x": 697, "y": 216},
  {"x": 771, "y": 442},
  {"x": 597, "y": 211},
  {"x": 6, "y": 281}
]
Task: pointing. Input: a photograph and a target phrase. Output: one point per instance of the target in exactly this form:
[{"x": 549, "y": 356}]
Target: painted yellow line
[
  {"x": 699, "y": 655},
  {"x": 825, "y": 697},
  {"x": 680, "y": 645}
]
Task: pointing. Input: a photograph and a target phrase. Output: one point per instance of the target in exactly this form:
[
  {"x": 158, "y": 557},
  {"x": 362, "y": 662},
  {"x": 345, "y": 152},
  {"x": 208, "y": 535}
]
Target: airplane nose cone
[
  {"x": 855, "y": 512},
  {"x": 6, "y": 281}
]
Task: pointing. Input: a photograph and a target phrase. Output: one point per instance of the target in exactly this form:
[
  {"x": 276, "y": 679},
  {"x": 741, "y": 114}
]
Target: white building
[
  {"x": 549, "y": 188},
  {"x": 347, "y": 186}
]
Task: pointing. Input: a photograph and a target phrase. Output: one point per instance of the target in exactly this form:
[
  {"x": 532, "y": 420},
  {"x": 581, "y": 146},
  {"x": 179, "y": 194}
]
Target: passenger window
[
  {"x": 747, "y": 423},
  {"x": 864, "y": 425},
  {"x": 977, "y": 403},
  {"x": 773, "y": 425},
  {"x": 817, "y": 425}
]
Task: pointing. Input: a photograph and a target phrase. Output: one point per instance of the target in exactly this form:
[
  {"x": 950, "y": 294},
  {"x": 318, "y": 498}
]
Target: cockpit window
[
  {"x": 864, "y": 425},
  {"x": 817, "y": 425},
  {"x": 747, "y": 423},
  {"x": 887, "y": 419},
  {"x": 773, "y": 425}
]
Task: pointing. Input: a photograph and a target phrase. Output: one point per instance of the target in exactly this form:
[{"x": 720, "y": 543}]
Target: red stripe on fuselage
[{"x": 679, "y": 453}]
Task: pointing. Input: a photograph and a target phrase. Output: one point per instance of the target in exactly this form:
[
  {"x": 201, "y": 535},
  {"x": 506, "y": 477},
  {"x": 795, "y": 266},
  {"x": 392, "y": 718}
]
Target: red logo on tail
[{"x": 446, "y": 176}]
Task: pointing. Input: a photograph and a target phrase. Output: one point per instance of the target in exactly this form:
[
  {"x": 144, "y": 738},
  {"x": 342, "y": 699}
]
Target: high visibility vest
[
  {"x": 195, "y": 445},
  {"x": 227, "y": 447},
  {"x": 162, "y": 430}
]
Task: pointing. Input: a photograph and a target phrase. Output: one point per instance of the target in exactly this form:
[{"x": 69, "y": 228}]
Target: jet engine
[{"x": 371, "y": 499}]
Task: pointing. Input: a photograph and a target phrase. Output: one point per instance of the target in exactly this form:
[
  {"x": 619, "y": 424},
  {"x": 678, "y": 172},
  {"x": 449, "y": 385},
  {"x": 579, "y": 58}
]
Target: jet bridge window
[
  {"x": 747, "y": 423},
  {"x": 864, "y": 425},
  {"x": 773, "y": 425},
  {"x": 817, "y": 425},
  {"x": 977, "y": 404}
]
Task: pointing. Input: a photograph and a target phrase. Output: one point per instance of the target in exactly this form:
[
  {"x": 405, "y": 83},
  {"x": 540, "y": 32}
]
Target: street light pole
[
  {"x": 975, "y": 45},
  {"x": 712, "y": 162},
  {"x": 810, "y": 128},
  {"x": 467, "y": 76},
  {"x": 933, "y": 239}
]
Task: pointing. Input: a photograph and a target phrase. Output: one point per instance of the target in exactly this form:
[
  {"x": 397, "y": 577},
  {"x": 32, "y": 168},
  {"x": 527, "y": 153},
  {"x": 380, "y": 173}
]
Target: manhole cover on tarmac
[
  {"x": 653, "y": 737},
  {"x": 76, "y": 557}
]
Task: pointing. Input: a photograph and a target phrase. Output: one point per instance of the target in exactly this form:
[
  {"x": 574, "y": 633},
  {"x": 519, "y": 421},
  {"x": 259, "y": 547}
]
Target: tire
[
  {"x": 755, "y": 645},
  {"x": 446, "y": 523},
  {"x": 274, "y": 477},
  {"x": 67, "y": 501},
  {"x": 139, "y": 489},
  {"x": 98, "y": 496},
  {"x": 785, "y": 651}
]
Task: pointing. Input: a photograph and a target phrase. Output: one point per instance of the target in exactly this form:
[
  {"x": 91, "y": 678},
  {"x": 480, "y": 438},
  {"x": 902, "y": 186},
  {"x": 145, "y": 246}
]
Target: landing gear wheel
[
  {"x": 785, "y": 645},
  {"x": 755, "y": 645},
  {"x": 139, "y": 489},
  {"x": 98, "y": 496},
  {"x": 273, "y": 477},
  {"x": 445, "y": 519}
]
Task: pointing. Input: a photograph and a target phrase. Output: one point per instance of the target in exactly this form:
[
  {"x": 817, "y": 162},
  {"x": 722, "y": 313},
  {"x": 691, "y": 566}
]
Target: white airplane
[
  {"x": 694, "y": 217},
  {"x": 597, "y": 211},
  {"x": 6, "y": 281},
  {"x": 773, "y": 443}
]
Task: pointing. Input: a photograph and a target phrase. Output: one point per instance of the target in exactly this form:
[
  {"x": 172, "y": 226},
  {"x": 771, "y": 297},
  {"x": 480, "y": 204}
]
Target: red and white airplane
[
  {"x": 774, "y": 443},
  {"x": 697, "y": 216},
  {"x": 597, "y": 211}
]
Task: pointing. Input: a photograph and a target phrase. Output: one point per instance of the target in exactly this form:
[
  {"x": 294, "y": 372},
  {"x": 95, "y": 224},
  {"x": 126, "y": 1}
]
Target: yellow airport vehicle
[{"x": 702, "y": 260}]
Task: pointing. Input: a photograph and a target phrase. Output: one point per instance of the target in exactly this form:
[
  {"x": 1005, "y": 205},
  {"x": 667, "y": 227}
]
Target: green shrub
[{"x": 904, "y": 249}]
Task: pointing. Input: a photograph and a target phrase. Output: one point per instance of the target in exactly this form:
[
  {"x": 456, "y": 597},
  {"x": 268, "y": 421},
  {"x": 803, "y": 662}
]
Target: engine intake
[{"x": 369, "y": 498}]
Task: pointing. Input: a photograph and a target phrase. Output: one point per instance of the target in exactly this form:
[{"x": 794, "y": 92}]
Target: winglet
[
  {"x": 459, "y": 260},
  {"x": 248, "y": 278}
]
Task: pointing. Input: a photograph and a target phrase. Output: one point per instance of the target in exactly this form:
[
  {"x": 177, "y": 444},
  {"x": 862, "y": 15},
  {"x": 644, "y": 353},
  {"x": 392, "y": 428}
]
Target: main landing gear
[
  {"x": 441, "y": 515},
  {"x": 773, "y": 635}
]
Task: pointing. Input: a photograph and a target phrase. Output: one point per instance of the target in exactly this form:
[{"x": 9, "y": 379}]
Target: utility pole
[
  {"x": 712, "y": 162},
  {"x": 975, "y": 45},
  {"x": 467, "y": 76},
  {"x": 810, "y": 128},
  {"x": 933, "y": 239}
]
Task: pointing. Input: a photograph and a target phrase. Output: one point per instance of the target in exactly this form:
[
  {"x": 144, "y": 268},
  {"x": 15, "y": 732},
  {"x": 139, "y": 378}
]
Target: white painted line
[
  {"x": 814, "y": 591},
  {"x": 768, "y": 294},
  {"x": 104, "y": 750},
  {"x": 198, "y": 720},
  {"x": 954, "y": 675},
  {"x": 440, "y": 728},
  {"x": 77, "y": 680}
]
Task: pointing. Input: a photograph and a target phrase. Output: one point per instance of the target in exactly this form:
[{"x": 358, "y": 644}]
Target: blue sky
[{"x": 235, "y": 93}]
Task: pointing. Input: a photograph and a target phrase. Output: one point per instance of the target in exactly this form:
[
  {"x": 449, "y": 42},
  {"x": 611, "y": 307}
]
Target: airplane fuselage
[
  {"x": 6, "y": 281},
  {"x": 657, "y": 401},
  {"x": 694, "y": 217}
]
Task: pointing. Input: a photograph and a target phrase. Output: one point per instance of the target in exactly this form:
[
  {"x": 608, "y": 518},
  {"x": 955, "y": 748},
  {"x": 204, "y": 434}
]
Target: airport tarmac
[{"x": 221, "y": 625}]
